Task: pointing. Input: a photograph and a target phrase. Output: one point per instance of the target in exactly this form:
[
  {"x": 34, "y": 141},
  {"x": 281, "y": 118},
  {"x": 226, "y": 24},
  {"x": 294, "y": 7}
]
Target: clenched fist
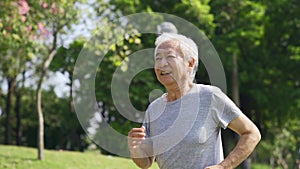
[{"x": 135, "y": 138}]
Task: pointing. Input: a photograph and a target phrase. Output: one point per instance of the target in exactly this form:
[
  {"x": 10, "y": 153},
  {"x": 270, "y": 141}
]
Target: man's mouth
[{"x": 164, "y": 73}]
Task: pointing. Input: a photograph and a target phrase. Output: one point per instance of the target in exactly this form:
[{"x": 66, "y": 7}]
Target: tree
[
  {"x": 62, "y": 15},
  {"x": 44, "y": 20},
  {"x": 16, "y": 49},
  {"x": 280, "y": 82},
  {"x": 238, "y": 33}
]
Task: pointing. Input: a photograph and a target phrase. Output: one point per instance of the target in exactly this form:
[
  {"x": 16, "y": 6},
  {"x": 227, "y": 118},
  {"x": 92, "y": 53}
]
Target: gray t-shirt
[{"x": 186, "y": 133}]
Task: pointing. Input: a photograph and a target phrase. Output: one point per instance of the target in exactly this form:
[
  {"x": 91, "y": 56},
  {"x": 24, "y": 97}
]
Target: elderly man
[{"x": 182, "y": 128}]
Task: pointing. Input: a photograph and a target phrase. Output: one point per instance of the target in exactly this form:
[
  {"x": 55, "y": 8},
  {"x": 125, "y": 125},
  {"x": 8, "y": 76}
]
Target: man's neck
[{"x": 175, "y": 92}]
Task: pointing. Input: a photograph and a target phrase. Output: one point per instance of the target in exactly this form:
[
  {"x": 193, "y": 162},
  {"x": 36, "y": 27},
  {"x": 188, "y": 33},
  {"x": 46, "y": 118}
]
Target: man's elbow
[
  {"x": 252, "y": 135},
  {"x": 256, "y": 136}
]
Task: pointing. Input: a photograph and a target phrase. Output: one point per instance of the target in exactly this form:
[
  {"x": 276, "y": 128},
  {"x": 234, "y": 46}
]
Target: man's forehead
[
  {"x": 168, "y": 47},
  {"x": 166, "y": 50},
  {"x": 169, "y": 44}
]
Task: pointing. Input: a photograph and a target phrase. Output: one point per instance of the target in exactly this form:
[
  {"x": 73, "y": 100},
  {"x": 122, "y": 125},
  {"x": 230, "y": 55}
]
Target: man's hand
[
  {"x": 140, "y": 153},
  {"x": 135, "y": 138},
  {"x": 215, "y": 167}
]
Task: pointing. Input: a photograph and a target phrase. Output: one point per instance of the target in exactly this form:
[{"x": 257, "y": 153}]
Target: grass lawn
[{"x": 12, "y": 157}]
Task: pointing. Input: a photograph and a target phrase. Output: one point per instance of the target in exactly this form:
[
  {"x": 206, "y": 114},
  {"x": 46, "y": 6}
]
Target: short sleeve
[{"x": 225, "y": 109}]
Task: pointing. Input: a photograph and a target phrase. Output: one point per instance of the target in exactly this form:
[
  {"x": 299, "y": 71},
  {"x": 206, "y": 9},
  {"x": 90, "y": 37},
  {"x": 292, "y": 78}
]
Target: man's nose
[{"x": 163, "y": 62}]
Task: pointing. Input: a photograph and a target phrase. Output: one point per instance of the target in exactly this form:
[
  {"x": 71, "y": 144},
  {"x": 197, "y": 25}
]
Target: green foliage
[
  {"x": 256, "y": 32},
  {"x": 262, "y": 166},
  {"x": 282, "y": 70},
  {"x": 195, "y": 11},
  {"x": 15, "y": 38},
  {"x": 62, "y": 128},
  {"x": 65, "y": 58},
  {"x": 283, "y": 149}
]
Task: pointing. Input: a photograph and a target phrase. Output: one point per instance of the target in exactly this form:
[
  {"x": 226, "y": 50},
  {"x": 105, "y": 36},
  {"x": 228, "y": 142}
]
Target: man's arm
[
  {"x": 249, "y": 138},
  {"x": 142, "y": 154},
  {"x": 144, "y": 162}
]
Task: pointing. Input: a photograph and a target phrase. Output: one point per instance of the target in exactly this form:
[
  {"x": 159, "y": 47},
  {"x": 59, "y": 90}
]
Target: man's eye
[
  {"x": 171, "y": 56},
  {"x": 157, "y": 58}
]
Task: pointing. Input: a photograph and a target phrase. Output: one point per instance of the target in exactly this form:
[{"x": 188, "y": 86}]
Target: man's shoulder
[{"x": 208, "y": 89}]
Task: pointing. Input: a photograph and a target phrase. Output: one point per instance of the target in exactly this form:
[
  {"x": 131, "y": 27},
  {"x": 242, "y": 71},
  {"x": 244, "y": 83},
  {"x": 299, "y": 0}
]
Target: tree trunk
[
  {"x": 8, "y": 130},
  {"x": 18, "y": 119},
  {"x": 41, "y": 121},
  {"x": 71, "y": 106},
  {"x": 235, "y": 81},
  {"x": 18, "y": 111},
  {"x": 236, "y": 97},
  {"x": 46, "y": 65}
]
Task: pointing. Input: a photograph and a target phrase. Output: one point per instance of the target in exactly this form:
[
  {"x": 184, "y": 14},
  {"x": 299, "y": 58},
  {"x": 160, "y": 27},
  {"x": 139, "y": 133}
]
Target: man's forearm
[
  {"x": 243, "y": 149},
  {"x": 143, "y": 163},
  {"x": 142, "y": 158}
]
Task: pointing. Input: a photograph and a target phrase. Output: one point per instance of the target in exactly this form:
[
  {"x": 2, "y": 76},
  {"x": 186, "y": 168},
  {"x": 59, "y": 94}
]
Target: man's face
[{"x": 170, "y": 65}]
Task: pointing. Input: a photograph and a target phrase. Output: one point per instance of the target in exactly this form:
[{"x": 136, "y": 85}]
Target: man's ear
[{"x": 192, "y": 63}]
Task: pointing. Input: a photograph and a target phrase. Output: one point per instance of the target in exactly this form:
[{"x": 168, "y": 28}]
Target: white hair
[{"x": 187, "y": 45}]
